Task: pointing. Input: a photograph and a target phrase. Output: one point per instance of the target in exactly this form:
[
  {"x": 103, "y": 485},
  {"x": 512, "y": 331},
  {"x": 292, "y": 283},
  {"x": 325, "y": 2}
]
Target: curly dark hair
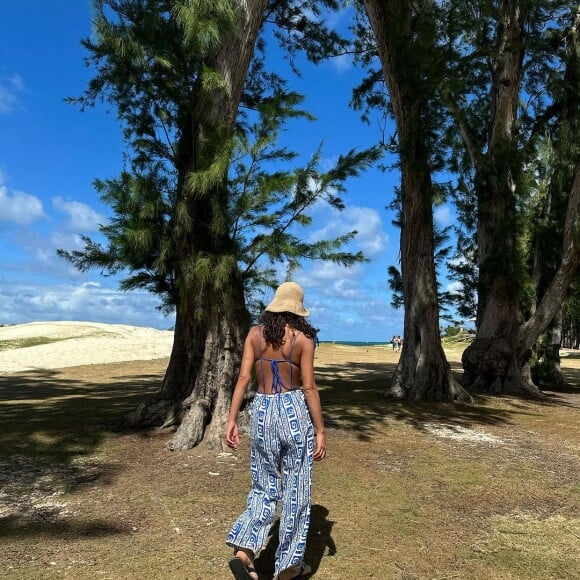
[{"x": 275, "y": 322}]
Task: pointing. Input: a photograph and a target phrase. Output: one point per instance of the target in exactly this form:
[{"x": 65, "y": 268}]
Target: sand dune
[{"x": 78, "y": 343}]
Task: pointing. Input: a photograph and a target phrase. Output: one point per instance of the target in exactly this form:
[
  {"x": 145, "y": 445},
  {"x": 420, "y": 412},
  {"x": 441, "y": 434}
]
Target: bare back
[{"x": 277, "y": 370}]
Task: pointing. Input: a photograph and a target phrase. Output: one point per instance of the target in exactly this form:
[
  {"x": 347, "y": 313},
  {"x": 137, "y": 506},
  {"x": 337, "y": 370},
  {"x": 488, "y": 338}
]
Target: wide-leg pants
[{"x": 281, "y": 449}]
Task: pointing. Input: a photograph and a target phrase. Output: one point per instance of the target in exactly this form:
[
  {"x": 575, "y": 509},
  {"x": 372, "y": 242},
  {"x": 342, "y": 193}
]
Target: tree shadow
[
  {"x": 48, "y": 414},
  {"x": 17, "y": 528},
  {"x": 319, "y": 543},
  {"x": 353, "y": 399},
  {"x": 52, "y": 423}
]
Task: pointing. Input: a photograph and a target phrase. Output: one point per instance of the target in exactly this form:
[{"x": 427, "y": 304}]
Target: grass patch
[
  {"x": 27, "y": 342},
  {"x": 418, "y": 492},
  {"x": 40, "y": 340},
  {"x": 524, "y": 546}
]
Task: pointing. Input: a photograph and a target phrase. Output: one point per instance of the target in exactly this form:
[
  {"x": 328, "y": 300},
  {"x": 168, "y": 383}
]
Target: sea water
[{"x": 354, "y": 343}]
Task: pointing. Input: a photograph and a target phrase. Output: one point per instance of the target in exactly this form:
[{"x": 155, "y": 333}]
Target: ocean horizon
[{"x": 355, "y": 342}]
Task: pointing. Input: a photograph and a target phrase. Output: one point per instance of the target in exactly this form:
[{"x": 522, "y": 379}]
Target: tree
[
  {"x": 463, "y": 267},
  {"x": 405, "y": 34},
  {"x": 175, "y": 73},
  {"x": 511, "y": 50},
  {"x": 445, "y": 298},
  {"x": 195, "y": 212},
  {"x": 571, "y": 316},
  {"x": 547, "y": 211}
]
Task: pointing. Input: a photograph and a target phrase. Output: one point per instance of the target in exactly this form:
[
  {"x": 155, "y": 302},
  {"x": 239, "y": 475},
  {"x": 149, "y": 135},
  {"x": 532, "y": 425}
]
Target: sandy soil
[{"x": 78, "y": 343}]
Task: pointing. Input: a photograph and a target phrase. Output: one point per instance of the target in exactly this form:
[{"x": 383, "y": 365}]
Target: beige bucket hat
[{"x": 289, "y": 297}]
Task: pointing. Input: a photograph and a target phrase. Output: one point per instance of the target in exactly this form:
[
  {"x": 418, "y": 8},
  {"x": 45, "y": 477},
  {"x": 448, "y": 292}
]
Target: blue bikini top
[{"x": 277, "y": 384}]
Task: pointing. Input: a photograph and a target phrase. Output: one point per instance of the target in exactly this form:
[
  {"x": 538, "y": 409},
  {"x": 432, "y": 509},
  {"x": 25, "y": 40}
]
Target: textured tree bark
[
  {"x": 206, "y": 352},
  {"x": 423, "y": 372},
  {"x": 205, "y": 410},
  {"x": 165, "y": 408},
  {"x": 498, "y": 359},
  {"x": 490, "y": 363}
]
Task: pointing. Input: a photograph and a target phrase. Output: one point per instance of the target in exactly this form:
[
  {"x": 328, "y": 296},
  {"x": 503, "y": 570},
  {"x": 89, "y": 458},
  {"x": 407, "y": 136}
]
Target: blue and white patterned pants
[{"x": 281, "y": 449}]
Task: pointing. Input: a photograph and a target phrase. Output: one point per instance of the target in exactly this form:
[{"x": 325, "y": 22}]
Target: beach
[{"x": 61, "y": 344}]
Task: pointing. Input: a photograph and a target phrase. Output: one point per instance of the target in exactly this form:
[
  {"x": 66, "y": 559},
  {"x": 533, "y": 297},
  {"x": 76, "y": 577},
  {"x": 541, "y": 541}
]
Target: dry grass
[
  {"x": 407, "y": 492},
  {"x": 26, "y": 342}
]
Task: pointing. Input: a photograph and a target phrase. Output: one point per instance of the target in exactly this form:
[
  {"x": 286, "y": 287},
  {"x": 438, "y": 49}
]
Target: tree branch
[
  {"x": 556, "y": 291},
  {"x": 468, "y": 135}
]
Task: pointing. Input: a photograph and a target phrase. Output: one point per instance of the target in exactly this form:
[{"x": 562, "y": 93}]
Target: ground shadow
[
  {"x": 15, "y": 527},
  {"x": 319, "y": 543},
  {"x": 52, "y": 422},
  {"x": 53, "y": 414},
  {"x": 353, "y": 398}
]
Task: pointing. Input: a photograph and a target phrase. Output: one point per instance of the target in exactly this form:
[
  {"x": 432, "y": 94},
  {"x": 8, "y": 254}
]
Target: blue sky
[{"x": 50, "y": 153}]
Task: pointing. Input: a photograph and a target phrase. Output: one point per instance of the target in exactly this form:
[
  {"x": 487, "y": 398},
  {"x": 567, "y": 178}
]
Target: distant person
[
  {"x": 394, "y": 342},
  {"x": 316, "y": 341},
  {"x": 283, "y": 439}
]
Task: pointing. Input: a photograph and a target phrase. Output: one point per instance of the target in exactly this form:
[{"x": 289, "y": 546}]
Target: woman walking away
[{"x": 282, "y": 440}]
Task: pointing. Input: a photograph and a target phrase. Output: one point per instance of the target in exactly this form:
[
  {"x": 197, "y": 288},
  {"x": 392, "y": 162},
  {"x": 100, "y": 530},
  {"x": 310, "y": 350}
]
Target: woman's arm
[
  {"x": 232, "y": 433},
  {"x": 312, "y": 396}
]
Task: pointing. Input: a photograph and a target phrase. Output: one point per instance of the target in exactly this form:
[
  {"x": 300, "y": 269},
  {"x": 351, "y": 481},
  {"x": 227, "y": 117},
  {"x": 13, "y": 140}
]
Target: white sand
[{"x": 80, "y": 343}]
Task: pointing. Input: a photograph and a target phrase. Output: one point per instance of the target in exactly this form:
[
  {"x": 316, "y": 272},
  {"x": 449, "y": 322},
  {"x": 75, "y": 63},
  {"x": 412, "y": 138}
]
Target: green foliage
[
  {"x": 571, "y": 316},
  {"x": 452, "y": 331},
  {"x": 300, "y": 26},
  {"x": 200, "y": 203},
  {"x": 473, "y": 49},
  {"x": 27, "y": 342},
  {"x": 269, "y": 207},
  {"x": 396, "y": 285}
]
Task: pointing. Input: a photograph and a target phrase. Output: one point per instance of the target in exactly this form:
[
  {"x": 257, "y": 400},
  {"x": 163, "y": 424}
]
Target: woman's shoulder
[
  {"x": 255, "y": 330},
  {"x": 298, "y": 337}
]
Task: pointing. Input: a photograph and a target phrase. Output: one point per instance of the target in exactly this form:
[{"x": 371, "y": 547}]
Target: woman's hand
[
  {"x": 232, "y": 435},
  {"x": 320, "y": 452}
]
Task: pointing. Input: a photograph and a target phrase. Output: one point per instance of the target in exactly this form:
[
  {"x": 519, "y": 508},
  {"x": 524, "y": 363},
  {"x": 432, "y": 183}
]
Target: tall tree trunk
[
  {"x": 491, "y": 363},
  {"x": 498, "y": 359},
  {"x": 165, "y": 407},
  {"x": 207, "y": 407},
  {"x": 210, "y": 322},
  {"x": 423, "y": 372}
]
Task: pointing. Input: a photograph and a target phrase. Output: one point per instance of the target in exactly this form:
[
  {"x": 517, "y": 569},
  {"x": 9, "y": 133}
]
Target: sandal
[{"x": 242, "y": 572}]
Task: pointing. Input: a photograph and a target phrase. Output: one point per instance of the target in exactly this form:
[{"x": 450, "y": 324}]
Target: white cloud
[
  {"x": 82, "y": 217},
  {"x": 341, "y": 63},
  {"x": 347, "y": 289},
  {"x": 66, "y": 241},
  {"x": 10, "y": 87},
  {"x": 88, "y": 301},
  {"x": 443, "y": 215},
  {"x": 454, "y": 287},
  {"x": 325, "y": 272},
  {"x": 339, "y": 313},
  {"x": 365, "y": 220},
  {"x": 337, "y": 19},
  {"x": 17, "y": 82},
  {"x": 19, "y": 207}
]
